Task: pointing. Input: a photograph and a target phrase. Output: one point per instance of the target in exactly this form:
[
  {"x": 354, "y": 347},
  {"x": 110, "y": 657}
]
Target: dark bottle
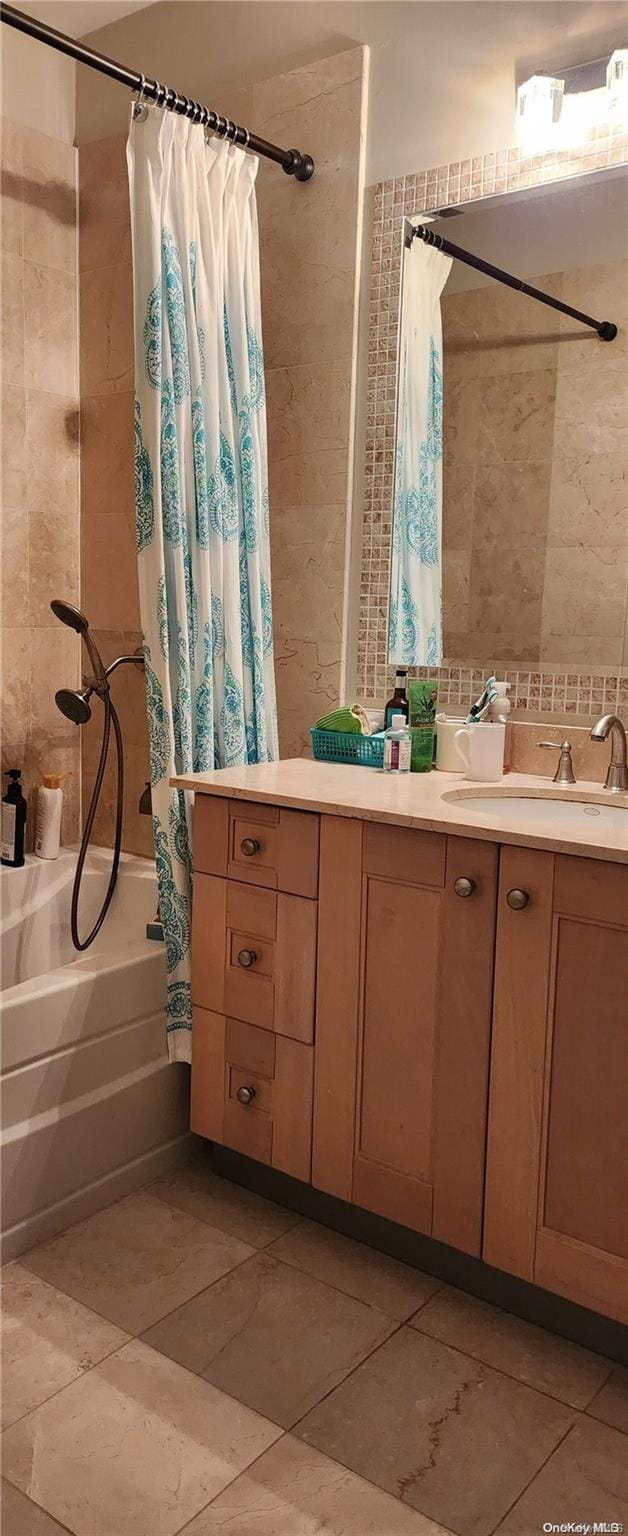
[
  {"x": 13, "y": 820},
  {"x": 398, "y": 705}
]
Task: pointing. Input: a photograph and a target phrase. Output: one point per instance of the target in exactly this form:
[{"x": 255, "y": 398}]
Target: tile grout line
[
  {"x": 42, "y": 1507},
  {"x": 499, "y": 1370},
  {"x": 496, "y": 1528}
]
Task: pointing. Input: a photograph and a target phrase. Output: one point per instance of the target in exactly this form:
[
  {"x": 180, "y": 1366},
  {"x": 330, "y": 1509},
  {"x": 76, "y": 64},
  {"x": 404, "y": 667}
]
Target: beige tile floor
[{"x": 195, "y": 1359}]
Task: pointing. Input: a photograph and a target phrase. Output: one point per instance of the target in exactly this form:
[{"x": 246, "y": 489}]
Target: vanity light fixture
[
  {"x": 539, "y": 105},
  {"x": 561, "y": 110},
  {"x": 617, "y": 83}
]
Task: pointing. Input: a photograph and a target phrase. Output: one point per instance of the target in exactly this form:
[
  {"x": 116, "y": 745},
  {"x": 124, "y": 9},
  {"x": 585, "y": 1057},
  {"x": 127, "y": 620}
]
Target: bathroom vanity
[{"x": 422, "y": 1008}]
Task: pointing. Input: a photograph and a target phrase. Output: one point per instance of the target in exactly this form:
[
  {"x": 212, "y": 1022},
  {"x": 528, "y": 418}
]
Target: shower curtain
[
  {"x": 201, "y": 491},
  {"x": 415, "y": 612}
]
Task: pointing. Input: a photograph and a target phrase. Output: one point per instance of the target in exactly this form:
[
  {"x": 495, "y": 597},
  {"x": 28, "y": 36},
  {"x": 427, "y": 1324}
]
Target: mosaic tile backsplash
[{"x": 545, "y": 690}]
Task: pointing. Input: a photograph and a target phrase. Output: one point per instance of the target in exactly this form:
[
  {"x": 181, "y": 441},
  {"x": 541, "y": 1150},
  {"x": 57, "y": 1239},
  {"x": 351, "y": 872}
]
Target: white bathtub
[{"x": 90, "y": 1107}]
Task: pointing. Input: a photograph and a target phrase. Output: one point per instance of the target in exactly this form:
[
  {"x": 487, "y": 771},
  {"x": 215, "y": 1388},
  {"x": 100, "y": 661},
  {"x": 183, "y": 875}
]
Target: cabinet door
[
  {"x": 557, "y": 1171},
  {"x": 403, "y": 1018}
]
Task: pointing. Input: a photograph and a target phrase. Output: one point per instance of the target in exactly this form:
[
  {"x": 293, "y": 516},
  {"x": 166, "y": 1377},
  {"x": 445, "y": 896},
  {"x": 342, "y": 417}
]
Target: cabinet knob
[
  {"x": 249, "y": 846},
  {"x": 245, "y": 1094},
  {"x": 247, "y": 957},
  {"x": 518, "y": 899},
  {"x": 463, "y": 886}
]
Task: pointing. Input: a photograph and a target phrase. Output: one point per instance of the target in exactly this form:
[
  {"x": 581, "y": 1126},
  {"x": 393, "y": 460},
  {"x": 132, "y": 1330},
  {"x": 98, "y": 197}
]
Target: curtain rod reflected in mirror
[{"x": 606, "y": 329}]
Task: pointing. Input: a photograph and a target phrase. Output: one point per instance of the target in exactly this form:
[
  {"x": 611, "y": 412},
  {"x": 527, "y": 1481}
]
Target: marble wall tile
[
  {"x": 107, "y": 451},
  {"x": 50, "y": 330},
  {"x": 11, "y": 186},
  {"x": 506, "y": 589},
  {"x": 13, "y": 446},
  {"x": 52, "y": 452},
  {"x": 49, "y": 192},
  {"x": 53, "y": 545},
  {"x": 15, "y": 572},
  {"x": 108, "y": 544},
  {"x": 317, "y": 478},
  {"x": 584, "y": 592},
  {"x": 24, "y": 1518},
  {"x": 516, "y": 417},
  {"x": 15, "y": 693},
  {"x": 592, "y": 408},
  {"x": 589, "y": 500},
  {"x": 458, "y": 495},
  {"x": 461, "y": 420},
  {"x": 309, "y": 260},
  {"x": 39, "y": 432},
  {"x": 12, "y": 319},
  {"x": 511, "y": 503},
  {"x": 601, "y": 291},
  {"x": 107, "y": 330},
  {"x": 308, "y": 409},
  {"x": 104, "y": 216},
  {"x": 456, "y": 584}
]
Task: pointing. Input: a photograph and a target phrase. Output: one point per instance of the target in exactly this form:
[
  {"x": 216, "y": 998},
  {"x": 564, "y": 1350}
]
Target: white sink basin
[{"x": 546, "y": 808}]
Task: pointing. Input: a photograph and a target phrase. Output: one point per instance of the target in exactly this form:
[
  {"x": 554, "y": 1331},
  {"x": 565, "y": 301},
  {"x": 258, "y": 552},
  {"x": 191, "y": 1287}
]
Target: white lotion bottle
[
  {"x": 49, "y": 808},
  {"x": 499, "y": 711}
]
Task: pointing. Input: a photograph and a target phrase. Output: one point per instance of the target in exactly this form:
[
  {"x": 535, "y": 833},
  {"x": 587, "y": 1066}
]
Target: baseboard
[
  {"x": 93, "y": 1197},
  {"x": 565, "y": 1318}
]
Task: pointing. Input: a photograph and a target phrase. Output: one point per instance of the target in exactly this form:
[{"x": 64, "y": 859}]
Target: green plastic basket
[{"x": 342, "y": 747}]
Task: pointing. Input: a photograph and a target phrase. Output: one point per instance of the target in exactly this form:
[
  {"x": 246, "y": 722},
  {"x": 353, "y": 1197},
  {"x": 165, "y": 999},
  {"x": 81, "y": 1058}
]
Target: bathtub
[{"x": 90, "y": 1107}]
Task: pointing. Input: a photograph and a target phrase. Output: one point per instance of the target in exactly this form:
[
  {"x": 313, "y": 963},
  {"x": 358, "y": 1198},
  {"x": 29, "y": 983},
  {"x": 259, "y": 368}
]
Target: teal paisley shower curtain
[
  {"x": 201, "y": 490},
  {"x": 415, "y": 611}
]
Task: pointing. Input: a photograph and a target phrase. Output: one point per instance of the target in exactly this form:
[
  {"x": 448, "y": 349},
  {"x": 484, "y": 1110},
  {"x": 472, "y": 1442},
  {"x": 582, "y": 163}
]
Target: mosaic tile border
[
  {"x": 537, "y": 692},
  {"x": 462, "y": 181}
]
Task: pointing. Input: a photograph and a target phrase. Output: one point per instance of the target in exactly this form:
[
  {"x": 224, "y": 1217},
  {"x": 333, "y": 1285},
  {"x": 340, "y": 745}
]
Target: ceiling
[{"x": 76, "y": 17}]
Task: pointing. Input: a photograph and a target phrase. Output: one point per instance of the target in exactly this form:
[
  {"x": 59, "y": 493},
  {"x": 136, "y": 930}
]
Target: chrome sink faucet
[{"x": 617, "y": 777}]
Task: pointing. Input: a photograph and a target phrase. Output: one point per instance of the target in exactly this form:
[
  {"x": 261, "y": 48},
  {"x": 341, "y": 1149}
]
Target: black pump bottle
[{"x": 13, "y": 820}]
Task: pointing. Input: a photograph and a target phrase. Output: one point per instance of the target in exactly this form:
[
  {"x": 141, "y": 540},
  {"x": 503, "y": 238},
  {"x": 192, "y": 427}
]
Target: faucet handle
[{"x": 564, "y": 772}]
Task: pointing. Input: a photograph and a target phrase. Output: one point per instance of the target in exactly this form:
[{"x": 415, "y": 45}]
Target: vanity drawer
[
  {"x": 257, "y": 844},
  {"x": 254, "y": 955},
  {"x": 271, "y": 1120}
]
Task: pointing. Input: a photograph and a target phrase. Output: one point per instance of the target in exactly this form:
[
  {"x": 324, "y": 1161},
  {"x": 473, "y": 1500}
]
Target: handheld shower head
[
  {"x": 70, "y": 616},
  {"x": 77, "y": 621},
  {"x": 74, "y": 704}
]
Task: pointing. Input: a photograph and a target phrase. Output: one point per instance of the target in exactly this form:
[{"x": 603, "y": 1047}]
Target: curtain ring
[
  {"x": 160, "y": 93},
  {"x": 139, "y": 109},
  {"x": 170, "y": 98},
  {"x": 247, "y": 138}
]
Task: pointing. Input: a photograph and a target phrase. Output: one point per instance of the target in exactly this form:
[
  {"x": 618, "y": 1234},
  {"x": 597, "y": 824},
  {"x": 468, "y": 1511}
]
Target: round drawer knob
[
  {"x": 249, "y": 846},
  {"x": 245, "y": 1094},
  {"x": 247, "y": 957},
  {"x": 463, "y": 886},
  {"x": 518, "y": 899}
]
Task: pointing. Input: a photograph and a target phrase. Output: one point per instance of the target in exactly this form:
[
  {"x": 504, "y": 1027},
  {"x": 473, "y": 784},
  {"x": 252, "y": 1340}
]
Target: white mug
[
  {"x": 447, "y": 759},
  {"x": 480, "y": 747}
]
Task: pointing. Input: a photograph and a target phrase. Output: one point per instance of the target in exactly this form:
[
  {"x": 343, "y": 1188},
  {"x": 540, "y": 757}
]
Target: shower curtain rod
[
  {"x": 292, "y": 161},
  {"x": 606, "y": 330}
]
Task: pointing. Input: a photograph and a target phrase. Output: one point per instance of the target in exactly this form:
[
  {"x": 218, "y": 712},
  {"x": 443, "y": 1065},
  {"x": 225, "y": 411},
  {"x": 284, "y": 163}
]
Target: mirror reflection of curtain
[{"x": 415, "y": 613}]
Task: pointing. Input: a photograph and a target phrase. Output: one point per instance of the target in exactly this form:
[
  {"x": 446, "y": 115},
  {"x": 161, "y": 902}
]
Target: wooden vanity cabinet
[
  {"x": 556, "y": 1208},
  {"x": 405, "y": 968},
  {"x": 432, "y": 1028}
]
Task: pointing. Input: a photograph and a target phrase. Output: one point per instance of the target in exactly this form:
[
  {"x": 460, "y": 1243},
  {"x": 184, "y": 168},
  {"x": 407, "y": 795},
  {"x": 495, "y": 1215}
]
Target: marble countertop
[{"x": 416, "y": 800}]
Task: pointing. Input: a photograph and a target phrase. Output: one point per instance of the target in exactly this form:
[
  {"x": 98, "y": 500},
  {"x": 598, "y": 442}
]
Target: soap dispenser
[{"x": 13, "y": 820}]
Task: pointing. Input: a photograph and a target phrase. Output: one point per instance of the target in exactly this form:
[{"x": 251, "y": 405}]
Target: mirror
[{"x": 529, "y": 410}]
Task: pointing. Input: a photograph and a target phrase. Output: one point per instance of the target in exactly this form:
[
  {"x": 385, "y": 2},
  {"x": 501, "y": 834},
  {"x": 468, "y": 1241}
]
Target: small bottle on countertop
[
  {"x": 398, "y": 704},
  {"x": 13, "y": 820},
  {"x": 48, "y": 823},
  {"x": 397, "y": 746}
]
